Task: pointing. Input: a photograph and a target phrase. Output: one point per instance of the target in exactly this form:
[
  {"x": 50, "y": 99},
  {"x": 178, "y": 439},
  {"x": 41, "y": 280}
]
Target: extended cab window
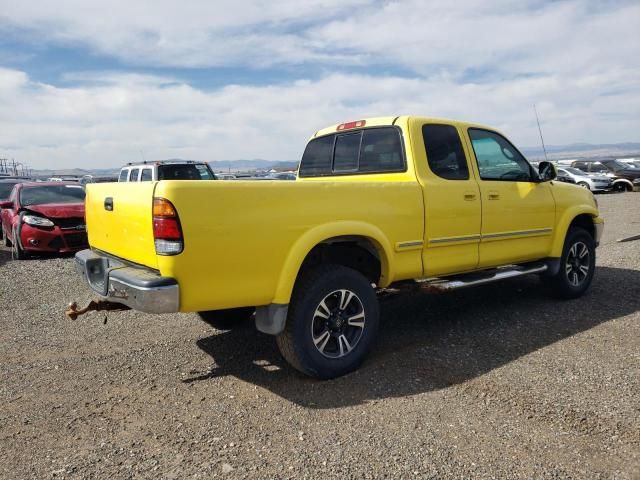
[
  {"x": 444, "y": 152},
  {"x": 497, "y": 158},
  {"x": 364, "y": 151},
  {"x": 181, "y": 171}
]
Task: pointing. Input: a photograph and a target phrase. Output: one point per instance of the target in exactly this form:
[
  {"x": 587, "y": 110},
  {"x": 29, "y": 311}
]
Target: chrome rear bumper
[{"x": 136, "y": 287}]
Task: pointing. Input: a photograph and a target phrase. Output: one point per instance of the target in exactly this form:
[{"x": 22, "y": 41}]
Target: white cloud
[
  {"x": 108, "y": 123},
  {"x": 480, "y": 61}
]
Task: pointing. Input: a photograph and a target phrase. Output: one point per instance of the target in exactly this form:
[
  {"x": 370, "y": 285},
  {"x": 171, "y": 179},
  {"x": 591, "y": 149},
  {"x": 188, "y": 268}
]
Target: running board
[{"x": 479, "y": 278}]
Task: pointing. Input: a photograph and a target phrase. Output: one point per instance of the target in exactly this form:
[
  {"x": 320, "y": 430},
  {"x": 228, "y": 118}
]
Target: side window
[
  {"x": 147, "y": 175},
  {"x": 317, "y": 157},
  {"x": 204, "y": 172},
  {"x": 346, "y": 152},
  {"x": 444, "y": 152},
  {"x": 133, "y": 176},
  {"x": 124, "y": 174},
  {"x": 497, "y": 158},
  {"x": 381, "y": 151},
  {"x": 597, "y": 167},
  {"x": 581, "y": 166}
]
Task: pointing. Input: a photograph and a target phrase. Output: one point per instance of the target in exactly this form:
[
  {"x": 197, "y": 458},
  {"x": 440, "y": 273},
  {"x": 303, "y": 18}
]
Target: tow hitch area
[{"x": 74, "y": 312}]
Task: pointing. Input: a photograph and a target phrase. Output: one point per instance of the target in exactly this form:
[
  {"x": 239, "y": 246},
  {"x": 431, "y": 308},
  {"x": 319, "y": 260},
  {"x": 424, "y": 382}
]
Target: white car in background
[{"x": 595, "y": 183}]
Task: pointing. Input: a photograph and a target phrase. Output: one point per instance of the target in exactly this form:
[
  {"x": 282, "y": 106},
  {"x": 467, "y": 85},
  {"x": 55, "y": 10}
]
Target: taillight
[{"x": 167, "y": 233}]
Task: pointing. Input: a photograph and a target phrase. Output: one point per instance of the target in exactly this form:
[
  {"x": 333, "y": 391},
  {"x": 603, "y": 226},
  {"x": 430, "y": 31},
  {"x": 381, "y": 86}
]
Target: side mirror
[
  {"x": 547, "y": 171},
  {"x": 6, "y": 204}
]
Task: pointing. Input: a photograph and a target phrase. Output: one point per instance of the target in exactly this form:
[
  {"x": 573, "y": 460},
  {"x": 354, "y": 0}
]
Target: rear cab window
[
  {"x": 184, "y": 171},
  {"x": 370, "y": 150}
]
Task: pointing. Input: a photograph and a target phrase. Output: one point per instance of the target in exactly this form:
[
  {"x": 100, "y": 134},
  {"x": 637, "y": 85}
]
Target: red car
[{"x": 44, "y": 217}]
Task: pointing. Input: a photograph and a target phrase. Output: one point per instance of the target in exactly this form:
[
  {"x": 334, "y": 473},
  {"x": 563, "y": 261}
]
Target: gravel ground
[{"x": 495, "y": 382}]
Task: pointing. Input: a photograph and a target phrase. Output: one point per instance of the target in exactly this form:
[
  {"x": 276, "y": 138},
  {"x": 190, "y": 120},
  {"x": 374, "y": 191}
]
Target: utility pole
[{"x": 540, "y": 130}]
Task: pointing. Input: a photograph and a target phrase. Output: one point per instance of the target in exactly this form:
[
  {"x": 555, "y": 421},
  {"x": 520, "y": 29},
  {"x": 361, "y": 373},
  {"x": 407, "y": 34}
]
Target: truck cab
[{"x": 166, "y": 170}]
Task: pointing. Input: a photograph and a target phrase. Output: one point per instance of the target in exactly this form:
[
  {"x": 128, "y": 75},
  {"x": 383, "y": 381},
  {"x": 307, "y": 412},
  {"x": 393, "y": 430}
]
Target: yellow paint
[
  {"x": 245, "y": 240},
  {"x": 127, "y": 231}
]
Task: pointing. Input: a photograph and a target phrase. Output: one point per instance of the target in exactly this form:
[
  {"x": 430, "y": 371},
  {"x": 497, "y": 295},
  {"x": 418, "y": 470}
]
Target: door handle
[
  {"x": 493, "y": 196},
  {"x": 108, "y": 204},
  {"x": 469, "y": 196}
]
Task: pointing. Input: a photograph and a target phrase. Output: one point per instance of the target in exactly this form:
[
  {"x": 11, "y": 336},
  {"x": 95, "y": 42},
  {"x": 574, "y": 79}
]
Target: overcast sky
[{"x": 93, "y": 84}]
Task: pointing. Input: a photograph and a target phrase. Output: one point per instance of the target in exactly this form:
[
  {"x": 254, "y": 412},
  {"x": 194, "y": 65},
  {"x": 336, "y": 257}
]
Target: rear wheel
[
  {"x": 227, "y": 319},
  {"x": 577, "y": 264},
  {"x": 332, "y": 322}
]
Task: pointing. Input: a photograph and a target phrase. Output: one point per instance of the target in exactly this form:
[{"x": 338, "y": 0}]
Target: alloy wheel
[
  {"x": 338, "y": 323},
  {"x": 578, "y": 263}
]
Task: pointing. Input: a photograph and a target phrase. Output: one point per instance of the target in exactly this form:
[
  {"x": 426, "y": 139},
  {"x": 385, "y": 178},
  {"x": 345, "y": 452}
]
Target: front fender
[
  {"x": 563, "y": 225},
  {"x": 623, "y": 181},
  {"x": 324, "y": 232}
]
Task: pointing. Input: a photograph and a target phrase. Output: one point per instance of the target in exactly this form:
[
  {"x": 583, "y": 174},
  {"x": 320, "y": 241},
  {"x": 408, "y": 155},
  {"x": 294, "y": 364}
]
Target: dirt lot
[{"x": 499, "y": 381}]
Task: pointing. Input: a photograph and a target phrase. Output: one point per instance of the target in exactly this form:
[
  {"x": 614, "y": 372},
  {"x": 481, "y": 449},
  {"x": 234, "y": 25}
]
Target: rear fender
[{"x": 320, "y": 234}]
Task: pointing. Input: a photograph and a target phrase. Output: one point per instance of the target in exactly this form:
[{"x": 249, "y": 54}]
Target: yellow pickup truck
[{"x": 446, "y": 204}]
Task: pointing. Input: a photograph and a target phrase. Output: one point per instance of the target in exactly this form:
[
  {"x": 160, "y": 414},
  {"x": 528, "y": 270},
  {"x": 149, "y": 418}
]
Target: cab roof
[{"x": 393, "y": 120}]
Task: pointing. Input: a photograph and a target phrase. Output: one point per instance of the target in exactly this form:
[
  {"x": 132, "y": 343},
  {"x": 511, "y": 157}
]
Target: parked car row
[
  {"x": 44, "y": 217},
  {"x": 624, "y": 177},
  {"x": 595, "y": 183}
]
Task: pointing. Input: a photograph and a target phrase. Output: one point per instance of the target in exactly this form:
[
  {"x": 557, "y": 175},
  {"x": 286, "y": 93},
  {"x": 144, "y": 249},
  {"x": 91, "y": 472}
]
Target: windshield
[
  {"x": 51, "y": 194},
  {"x": 5, "y": 189},
  {"x": 616, "y": 165},
  {"x": 574, "y": 171},
  {"x": 187, "y": 171}
]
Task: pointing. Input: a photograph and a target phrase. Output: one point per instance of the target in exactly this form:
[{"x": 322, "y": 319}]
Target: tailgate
[{"x": 119, "y": 220}]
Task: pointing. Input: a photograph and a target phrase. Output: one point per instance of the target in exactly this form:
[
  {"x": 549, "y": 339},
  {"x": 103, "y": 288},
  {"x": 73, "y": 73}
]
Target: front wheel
[
  {"x": 17, "y": 253},
  {"x": 577, "y": 264},
  {"x": 332, "y": 322},
  {"x": 584, "y": 185},
  {"x": 7, "y": 242}
]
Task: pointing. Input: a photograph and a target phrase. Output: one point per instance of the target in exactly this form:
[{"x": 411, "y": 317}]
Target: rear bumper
[{"x": 136, "y": 287}]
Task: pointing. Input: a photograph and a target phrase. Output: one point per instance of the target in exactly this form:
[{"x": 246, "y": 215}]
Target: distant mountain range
[
  {"x": 554, "y": 152},
  {"x": 584, "y": 150}
]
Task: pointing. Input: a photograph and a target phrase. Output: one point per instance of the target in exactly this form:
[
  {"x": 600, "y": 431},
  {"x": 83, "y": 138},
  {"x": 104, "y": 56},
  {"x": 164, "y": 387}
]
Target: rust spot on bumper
[{"x": 74, "y": 312}]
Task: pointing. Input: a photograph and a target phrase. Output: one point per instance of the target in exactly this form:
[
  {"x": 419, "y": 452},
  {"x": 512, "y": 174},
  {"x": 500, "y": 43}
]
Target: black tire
[
  {"x": 620, "y": 187},
  {"x": 227, "y": 319},
  {"x": 7, "y": 242},
  {"x": 577, "y": 265},
  {"x": 331, "y": 344},
  {"x": 17, "y": 253},
  {"x": 584, "y": 185}
]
